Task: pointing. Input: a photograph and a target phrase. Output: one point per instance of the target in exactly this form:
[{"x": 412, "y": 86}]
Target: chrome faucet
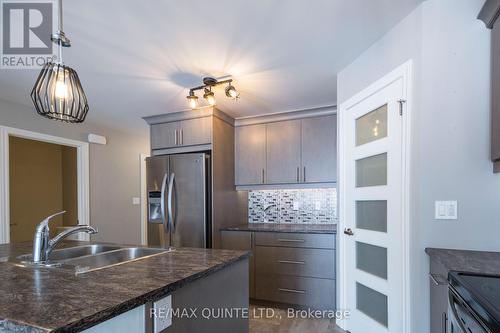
[{"x": 43, "y": 245}]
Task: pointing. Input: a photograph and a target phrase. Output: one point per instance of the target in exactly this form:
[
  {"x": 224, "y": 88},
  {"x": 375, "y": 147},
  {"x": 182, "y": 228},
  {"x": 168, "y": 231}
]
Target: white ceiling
[{"x": 138, "y": 58}]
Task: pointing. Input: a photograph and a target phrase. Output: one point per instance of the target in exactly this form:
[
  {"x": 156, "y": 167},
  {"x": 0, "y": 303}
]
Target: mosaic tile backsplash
[{"x": 293, "y": 206}]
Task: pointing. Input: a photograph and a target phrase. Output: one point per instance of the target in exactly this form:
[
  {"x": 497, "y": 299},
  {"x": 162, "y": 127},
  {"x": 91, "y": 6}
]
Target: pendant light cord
[
  {"x": 60, "y": 16},
  {"x": 60, "y": 24}
]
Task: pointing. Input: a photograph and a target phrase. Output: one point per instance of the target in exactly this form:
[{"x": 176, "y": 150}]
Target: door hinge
[{"x": 401, "y": 106}]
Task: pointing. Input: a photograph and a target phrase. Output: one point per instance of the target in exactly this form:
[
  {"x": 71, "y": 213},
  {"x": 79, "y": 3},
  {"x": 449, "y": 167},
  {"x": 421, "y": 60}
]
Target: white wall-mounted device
[
  {"x": 97, "y": 139},
  {"x": 446, "y": 210}
]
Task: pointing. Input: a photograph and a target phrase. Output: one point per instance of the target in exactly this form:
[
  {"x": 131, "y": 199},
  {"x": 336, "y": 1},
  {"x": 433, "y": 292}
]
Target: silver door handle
[
  {"x": 349, "y": 232},
  {"x": 304, "y": 174},
  {"x": 263, "y": 177},
  {"x": 298, "y": 174},
  {"x": 162, "y": 204},
  {"x": 182, "y": 137},
  {"x": 291, "y": 262},
  {"x": 176, "y": 138},
  {"x": 170, "y": 194},
  {"x": 292, "y": 291},
  {"x": 291, "y": 240}
]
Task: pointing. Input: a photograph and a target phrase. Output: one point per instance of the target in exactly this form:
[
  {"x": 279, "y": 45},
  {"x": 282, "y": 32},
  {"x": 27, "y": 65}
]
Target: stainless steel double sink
[{"x": 87, "y": 258}]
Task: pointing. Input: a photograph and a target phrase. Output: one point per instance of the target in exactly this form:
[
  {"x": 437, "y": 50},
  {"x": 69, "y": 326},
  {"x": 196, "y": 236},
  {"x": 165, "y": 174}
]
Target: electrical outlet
[
  {"x": 295, "y": 205},
  {"x": 317, "y": 205},
  {"x": 163, "y": 314},
  {"x": 446, "y": 210}
]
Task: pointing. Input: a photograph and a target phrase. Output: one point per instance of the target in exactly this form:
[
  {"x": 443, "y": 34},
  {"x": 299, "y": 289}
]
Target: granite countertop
[
  {"x": 51, "y": 300},
  {"x": 285, "y": 227},
  {"x": 466, "y": 260}
]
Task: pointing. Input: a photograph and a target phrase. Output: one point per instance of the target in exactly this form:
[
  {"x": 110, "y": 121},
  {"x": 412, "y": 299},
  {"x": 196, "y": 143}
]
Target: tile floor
[{"x": 278, "y": 322}]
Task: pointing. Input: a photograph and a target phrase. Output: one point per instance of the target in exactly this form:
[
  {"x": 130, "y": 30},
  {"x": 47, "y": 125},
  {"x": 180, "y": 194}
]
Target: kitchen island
[{"x": 51, "y": 300}]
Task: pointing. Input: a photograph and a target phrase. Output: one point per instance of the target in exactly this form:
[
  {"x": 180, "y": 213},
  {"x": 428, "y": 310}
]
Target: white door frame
[
  {"x": 82, "y": 176},
  {"x": 144, "y": 199},
  {"x": 403, "y": 72}
]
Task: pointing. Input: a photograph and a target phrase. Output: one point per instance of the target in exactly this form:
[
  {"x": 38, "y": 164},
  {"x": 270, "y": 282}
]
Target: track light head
[
  {"x": 231, "y": 92},
  {"x": 209, "y": 96},
  {"x": 192, "y": 100}
]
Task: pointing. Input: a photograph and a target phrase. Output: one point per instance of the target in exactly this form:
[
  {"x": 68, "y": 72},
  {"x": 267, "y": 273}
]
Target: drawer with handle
[
  {"x": 319, "y": 263},
  {"x": 311, "y": 292},
  {"x": 318, "y": 241}
]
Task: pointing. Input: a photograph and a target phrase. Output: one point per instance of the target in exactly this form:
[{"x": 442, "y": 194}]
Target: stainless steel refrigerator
[{"x": 179, "y": 203}]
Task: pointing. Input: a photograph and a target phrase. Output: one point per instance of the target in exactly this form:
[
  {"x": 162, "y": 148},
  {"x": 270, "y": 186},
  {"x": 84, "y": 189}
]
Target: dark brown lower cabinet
[
  {"x": 296, "y": 269},
  {"x": 241, "y": 240},
  {"x": 439, "y": 298}
]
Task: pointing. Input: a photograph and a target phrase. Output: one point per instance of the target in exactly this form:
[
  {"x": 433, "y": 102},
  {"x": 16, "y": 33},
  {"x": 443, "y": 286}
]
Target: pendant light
[{"x": 58, "y": 92}]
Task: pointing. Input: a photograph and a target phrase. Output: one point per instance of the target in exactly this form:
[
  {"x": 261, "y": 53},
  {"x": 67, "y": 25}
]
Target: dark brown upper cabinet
[
  {"x": 489, "y": 15},
  {"x": 288, "y": 152}
]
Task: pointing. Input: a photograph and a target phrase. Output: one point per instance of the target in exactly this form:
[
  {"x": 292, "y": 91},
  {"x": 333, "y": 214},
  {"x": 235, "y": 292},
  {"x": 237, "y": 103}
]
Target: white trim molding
[
  {"x": 403, "y": 72},
  {"x": 288, "y": 115},
  {"x": 144, "y": 199},
  {"x": 83, "y": 177}
]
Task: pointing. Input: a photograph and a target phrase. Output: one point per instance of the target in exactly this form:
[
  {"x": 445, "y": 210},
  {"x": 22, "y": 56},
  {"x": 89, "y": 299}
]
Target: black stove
[{"x": 480, "y": 296}]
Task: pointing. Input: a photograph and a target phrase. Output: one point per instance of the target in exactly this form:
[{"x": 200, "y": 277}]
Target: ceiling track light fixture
[
  {"x": 208, "y": 94},
  {"x": 58, "y": 93}
]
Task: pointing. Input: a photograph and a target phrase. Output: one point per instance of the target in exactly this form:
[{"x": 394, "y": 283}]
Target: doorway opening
[
  {"x": 41, "y": 175},
  {"x": 43, "y": 181}
]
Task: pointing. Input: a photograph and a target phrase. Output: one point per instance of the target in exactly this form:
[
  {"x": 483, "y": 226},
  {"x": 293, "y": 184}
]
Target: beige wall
[
  {"x": 114, "y": 168},
  {"x": 36, "y": 186}
]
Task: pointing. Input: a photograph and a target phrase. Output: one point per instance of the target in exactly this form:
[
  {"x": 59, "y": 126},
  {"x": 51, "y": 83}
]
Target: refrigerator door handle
[
  {"x": 170, "y": 194},
  {"x": 163, "y": 215}
]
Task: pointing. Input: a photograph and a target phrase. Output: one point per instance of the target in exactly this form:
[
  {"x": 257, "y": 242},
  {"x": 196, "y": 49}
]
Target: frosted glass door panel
[
  {"x": 372, "y": 126},
  {"x": 372, "y": 259},
  {"x": 372, "y": 215},
  {"x": 372, "y": 303},
  {"x": 371, "y": 171}
]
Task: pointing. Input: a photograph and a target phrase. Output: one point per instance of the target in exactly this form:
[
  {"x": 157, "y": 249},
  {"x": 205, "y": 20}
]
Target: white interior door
[{"x": 373, "y": 234}]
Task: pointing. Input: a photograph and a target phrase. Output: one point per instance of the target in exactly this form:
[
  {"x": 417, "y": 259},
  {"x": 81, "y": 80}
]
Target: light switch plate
[
  {"x": 446, "y": 210},
  {"x": 163, "y": 311},
  {"x": 136, "y": 201}
]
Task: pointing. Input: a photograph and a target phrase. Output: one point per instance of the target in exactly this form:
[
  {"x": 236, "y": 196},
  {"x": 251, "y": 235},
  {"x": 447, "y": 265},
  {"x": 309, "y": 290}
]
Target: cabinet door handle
[
  {"x": 292, "y": 291},
  {"x": 438, "y": 279},
  {"x": 182, "y": 137},
  {"x": 263, "y": 177},
  {"x": 291, "y": 262},
  {"x": 444, "y": 322},
  {"x": 304, "y": 174},
  {"x": 298, "y": 174},
  {"x": 176, "y": 138},
  {"x": 291, "y": 240}
]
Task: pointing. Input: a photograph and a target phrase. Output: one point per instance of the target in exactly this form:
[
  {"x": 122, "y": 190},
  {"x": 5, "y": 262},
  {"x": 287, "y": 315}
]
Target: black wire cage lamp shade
[{"x": 58, "y": 94}]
